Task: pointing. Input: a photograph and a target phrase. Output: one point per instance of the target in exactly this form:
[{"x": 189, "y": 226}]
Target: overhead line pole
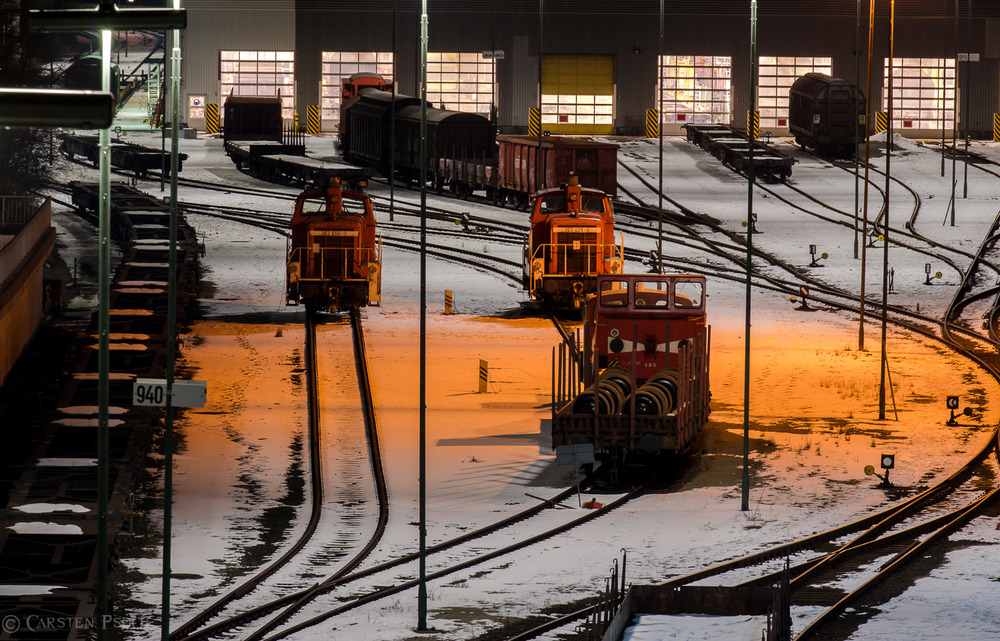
[
  {"x": 659, "y": 131},
  {"x": 103, "y": 345},
  {"x": 168, "y": 427},
  {"x": 868, "y": 142},
  {"x": 885, "y": 243},
  {"x": 857, "y": 83},
  {"x": 745, "y": 502},
  {"x": 540, "y": 156},
  {"x": 422, "y": 589}
]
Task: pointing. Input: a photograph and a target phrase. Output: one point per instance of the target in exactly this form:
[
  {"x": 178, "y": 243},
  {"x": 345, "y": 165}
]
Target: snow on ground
[{"x": 813, "y": 411}]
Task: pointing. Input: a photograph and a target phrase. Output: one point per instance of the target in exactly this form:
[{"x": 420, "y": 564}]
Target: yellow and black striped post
[
  {"x": 312, "y": 119},
  {"x": 652, "y": 124},
  {"x": 483, "y": 375},
  {"x": 753, "y": 125},
  {"x": 211, "y": 118},
  {"x": 996, "y": 127},
  {"x": 533, "y": 121},
  {"x": 881, "y": 121},
  {"x": 448, "y": 302},
  {"x": 296, "y": 122}
]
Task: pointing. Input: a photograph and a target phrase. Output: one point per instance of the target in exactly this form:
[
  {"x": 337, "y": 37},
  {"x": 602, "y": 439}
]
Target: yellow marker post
[
  {"x": 652, "y": 124},
  {"x": 534, "y": 122},
  {"x": 483, "y": 375},
  {"x": 448, "y": 298},
  {"x": 312, "y": 120},
  {"x": 881, "y": 121},
  {"x": 753, "y": 125},
  {"x": 212, "y": 118}
]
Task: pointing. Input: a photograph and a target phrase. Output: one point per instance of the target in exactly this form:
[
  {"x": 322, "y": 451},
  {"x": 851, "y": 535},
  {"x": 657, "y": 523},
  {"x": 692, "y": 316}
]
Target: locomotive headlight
[{"x": 614, "y": 332}]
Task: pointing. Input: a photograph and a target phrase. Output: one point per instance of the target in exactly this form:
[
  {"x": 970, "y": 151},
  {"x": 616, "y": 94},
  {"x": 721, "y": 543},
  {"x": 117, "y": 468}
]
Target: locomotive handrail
[
  {"x": 565, "y": 252},
  {"x": 355, "y": 264}
]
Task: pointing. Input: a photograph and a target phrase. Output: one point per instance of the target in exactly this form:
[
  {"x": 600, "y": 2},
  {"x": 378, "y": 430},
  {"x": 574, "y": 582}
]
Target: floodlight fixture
[
  {"x": 106, "y": 16},
  {"x": 21, "y": 107}
]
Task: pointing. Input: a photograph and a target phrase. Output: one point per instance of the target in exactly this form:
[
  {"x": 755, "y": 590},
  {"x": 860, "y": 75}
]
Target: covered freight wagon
[{"x": 827, "y": 114}]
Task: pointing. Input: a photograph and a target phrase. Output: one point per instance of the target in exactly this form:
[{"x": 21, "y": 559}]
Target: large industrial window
[
  {"x": 578, "y": 94},
  {"x": 923, "y": 93},
  {"x": 696, "y": 89},
  {"x": 460, "y": 82},
  {"x": 259, "y": 73},
  {"x": 776, "y": 76},
  {"x": 340, "y": 65}
]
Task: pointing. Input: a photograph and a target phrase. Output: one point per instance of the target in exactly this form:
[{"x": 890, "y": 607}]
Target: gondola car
[
  {"x": 647, "y": 344},
  {"x": 571, "y": 242},
  {"x": 335, "y": 256},
  {"x": 827, "y": 114}
]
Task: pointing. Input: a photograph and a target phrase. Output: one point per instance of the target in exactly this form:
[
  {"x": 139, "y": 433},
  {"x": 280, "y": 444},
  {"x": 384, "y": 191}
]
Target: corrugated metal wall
[
  {"x": 317, "y": 27},
  {"x": 235, "y": 27}
]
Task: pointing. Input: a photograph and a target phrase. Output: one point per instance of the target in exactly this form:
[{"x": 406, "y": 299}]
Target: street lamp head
[
  {"x": 106, "y": 16},
  {"x": 56, "y": 108}
]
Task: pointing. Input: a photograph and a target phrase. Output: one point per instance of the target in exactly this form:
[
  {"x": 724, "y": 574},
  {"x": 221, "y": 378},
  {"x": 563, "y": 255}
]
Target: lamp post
[
  {"x": 868, "y": 140},
  {"x": 745, "y": 495},
  {"x": 422, "y": 588},
  {"x": 106, "y": 18},
  {"x": 659, "y": 131},
  {"x": 885, "y": 243}
]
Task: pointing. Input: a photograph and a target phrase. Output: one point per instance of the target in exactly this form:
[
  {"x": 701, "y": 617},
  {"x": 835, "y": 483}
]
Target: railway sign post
[
  {"x": 152, "y": 392},
  {"x": 951, "y": 403},
  {"x": 575, "y": 454}
]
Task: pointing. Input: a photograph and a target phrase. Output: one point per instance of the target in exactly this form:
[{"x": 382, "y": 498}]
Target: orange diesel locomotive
[
  {"x": 334, "y": 256},
  {"x": 570, "y": 244}
]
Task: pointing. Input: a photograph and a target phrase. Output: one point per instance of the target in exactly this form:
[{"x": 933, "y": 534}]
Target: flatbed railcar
[
  {"x": 827, "y": 114},
  {"x": 646, "y": 343},
  {"x": 733, "y": 149},
  {"x": 124, "y": 155}
]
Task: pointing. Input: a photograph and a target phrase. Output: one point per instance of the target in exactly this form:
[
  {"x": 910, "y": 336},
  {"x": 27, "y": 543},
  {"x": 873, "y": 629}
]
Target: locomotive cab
[
  {"x": 571, "y": 243},
  {"x": 334, "y": 259},
  {"x": 641, "y": 322}
]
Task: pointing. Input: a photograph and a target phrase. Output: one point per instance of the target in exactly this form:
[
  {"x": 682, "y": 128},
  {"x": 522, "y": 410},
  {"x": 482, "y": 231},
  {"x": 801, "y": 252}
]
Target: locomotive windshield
[
  {"x": 589, "y": 202},
  {"x": 614, "y": 293},
  {"x": 652, "y": 293},
  {"x": 317, "y": 206},
  {"x": 688, "y": 295}
]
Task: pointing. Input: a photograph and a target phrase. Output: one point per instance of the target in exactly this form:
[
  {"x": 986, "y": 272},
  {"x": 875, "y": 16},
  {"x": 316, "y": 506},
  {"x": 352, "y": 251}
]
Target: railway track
[
  {"x": 891, "y": 536},
  {"x": 197, "y": 627}
]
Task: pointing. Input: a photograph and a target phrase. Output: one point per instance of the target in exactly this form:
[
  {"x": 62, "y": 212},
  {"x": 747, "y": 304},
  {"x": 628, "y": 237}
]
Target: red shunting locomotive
[
  {"x": 640, "y": 322},
  {"x": 646, "y": 344},
  {"x": 335, "y": 256},
  {"x": 571, "y": 243}
]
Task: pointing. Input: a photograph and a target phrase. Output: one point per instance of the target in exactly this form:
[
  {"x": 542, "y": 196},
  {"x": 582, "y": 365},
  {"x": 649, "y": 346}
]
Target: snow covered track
[{"x": 353, "y": 552}]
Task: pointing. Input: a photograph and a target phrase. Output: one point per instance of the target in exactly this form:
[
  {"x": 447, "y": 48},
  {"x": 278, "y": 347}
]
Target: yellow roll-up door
[{"x": 578, "y": 94}]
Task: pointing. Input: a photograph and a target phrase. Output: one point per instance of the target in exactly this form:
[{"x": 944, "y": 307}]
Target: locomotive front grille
[
  {"x": 576, "y": 252},
  {"x": 333, "y": 254}
]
